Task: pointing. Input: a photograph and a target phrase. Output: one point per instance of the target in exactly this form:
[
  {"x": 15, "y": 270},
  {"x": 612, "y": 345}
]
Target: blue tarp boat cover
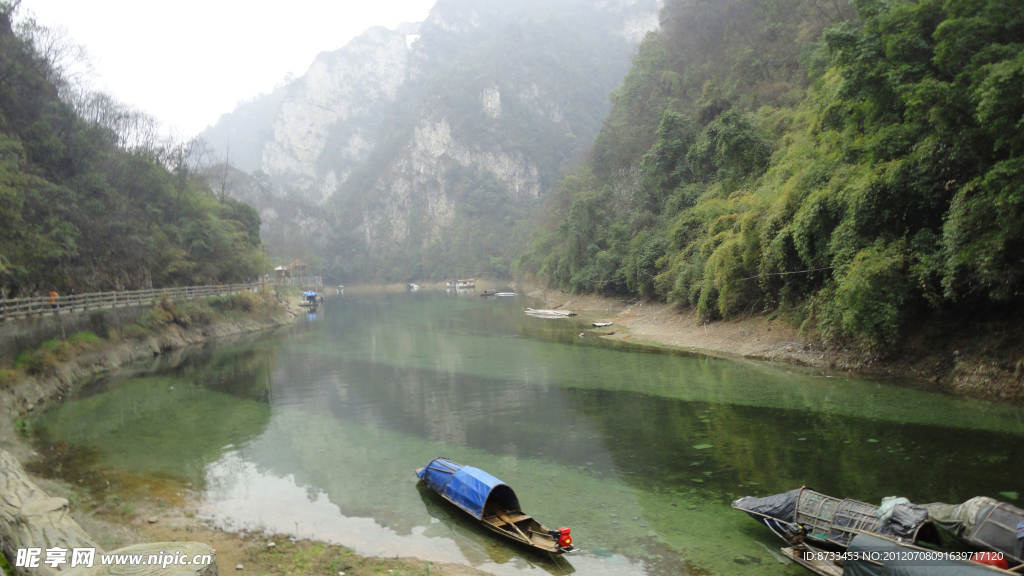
[
  {"x": 310, "y": 293},
  {"x": 466, "y": 486}
]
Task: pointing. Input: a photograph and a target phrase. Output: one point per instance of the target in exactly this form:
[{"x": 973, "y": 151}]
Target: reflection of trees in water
[
  {"x": 500, "y": 416},
  {"x": 242, "y": 370},
  {"x": 736, "y": 450}
]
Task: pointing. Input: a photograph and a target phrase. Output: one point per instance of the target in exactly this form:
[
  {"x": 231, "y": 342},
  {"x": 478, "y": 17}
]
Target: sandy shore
[{"x": 981, "y": 359}]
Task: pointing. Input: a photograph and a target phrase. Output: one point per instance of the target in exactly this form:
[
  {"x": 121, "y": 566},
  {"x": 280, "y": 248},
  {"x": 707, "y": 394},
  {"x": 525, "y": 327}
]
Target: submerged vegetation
[
  {"x": 90, "y": 198},
  {"x": 857, "y": 164}
]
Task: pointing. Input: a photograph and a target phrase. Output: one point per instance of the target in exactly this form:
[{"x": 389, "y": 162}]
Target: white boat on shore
[{"x": 549, "y": 313}]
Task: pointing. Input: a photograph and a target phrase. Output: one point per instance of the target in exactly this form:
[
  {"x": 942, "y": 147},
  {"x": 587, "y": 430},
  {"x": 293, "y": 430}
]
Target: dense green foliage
[
  {"x": 87, "y": 206},
  {"x": 773, "y": 153}
]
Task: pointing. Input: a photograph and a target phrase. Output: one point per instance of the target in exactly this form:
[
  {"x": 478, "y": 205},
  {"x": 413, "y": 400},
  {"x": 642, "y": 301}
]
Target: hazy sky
[{"x": 189, "y": 61}]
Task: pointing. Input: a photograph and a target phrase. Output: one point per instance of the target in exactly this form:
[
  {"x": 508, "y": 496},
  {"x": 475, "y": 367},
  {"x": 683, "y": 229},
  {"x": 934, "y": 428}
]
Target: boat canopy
[
  {"x": 837, "y": 521},
  {"x": 983, "y": 522},
  {"x": 468, "y": 487}
]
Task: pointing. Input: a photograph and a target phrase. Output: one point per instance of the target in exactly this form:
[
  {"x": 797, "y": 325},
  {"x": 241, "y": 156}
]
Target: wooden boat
[
  {"x": 833, "y": 537},
  {"x": 833, "y": 522},
  {"x": 493, "y": 503}
]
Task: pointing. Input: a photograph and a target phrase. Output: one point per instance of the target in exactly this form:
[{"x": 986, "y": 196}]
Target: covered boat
[
  {"x": 834, "y": 537},
  {"x": 310, "y": 299},
  {"x": 985, "y": 523},
  {"x": 493, "y": 503},
  {"x": 833, "y": 522}
]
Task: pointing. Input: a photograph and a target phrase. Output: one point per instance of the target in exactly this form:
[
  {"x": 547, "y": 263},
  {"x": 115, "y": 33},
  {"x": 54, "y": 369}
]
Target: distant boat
[
  {"x": 310, "y": 299},
  {"x": 493, "y": 503},
  {"x": 549, "y": 313},
  {"x": 493, "y": 293}
]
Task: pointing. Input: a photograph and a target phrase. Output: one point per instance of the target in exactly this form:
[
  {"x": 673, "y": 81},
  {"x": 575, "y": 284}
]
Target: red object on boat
[{"x": 565, "y": 540}]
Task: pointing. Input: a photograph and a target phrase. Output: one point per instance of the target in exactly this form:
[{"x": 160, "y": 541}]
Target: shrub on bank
[{"x": 45, "y": 359}]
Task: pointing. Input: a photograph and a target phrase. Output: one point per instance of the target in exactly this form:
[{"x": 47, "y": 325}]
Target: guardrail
[{"x": 15, "y": 308}]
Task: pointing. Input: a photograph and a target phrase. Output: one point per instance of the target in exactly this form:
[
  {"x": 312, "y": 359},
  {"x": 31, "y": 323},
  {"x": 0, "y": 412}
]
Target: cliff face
[
  {"x": 414, "y": 152},
  {"x": 337, "y": 97}
]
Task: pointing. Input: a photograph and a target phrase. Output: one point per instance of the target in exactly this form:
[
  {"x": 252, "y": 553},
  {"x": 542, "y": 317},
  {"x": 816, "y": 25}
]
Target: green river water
[{"x": 316, "y": 431}]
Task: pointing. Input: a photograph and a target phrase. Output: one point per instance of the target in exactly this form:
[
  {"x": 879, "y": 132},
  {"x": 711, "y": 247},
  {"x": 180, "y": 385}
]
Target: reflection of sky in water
[
  {"x": 239, "y": 496},
  {"x": 640, "y": 454}
]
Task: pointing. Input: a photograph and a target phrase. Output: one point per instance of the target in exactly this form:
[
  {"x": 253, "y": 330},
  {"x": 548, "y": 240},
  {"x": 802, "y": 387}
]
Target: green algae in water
[
  {"x": 348, "y": 406},
  {"x": 155, "y": 425}
]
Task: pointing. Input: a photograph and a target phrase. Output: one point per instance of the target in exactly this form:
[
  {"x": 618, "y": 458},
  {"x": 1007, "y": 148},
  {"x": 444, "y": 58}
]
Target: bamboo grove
[{"x": 859, "y": 165}]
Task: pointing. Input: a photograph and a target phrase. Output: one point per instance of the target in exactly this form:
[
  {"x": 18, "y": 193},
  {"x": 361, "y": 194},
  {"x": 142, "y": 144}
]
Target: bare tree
[
  {"x": 67, "y": 63},
  {"x": 133, "y": 129}
]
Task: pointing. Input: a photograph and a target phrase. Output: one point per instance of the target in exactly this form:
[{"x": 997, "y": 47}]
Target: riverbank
[
  {"x": 155, "y": 510},
  {"x": 51, "y": 371},
  {"x": 980, "y": 359}
]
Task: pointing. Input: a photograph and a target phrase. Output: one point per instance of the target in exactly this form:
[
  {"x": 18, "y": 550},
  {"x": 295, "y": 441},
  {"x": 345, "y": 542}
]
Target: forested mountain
[
  {"x": 414, "y": 153},
  {"x": 89, "y": 197},
  {"x": 857, "y": 164}
]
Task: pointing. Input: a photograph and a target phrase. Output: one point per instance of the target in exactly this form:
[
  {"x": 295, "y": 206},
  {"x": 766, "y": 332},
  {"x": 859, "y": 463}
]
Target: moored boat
[
  {"x": 549, "y": 313},
  {"x": 834, "y": 537},
  {"x": 493, "y": 503},
  {"x": 833, "y": 522}
]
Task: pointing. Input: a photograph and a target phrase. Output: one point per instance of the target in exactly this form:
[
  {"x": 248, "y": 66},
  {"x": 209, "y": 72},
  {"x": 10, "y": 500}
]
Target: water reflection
[{"x": 318, "y": 432}]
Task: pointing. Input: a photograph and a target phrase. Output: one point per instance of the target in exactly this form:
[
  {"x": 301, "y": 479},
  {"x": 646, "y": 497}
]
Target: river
[{"x": 316, "y": 431}]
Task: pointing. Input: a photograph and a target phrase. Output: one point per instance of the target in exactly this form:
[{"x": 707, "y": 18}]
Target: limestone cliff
[
  {"x": 336, "y": 97},
  {"x": 414, "y": 152}
]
